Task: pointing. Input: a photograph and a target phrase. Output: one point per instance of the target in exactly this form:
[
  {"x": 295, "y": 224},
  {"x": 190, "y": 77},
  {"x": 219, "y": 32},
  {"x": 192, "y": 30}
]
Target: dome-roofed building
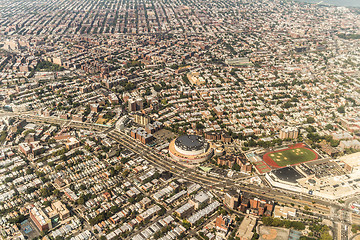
[{"x": 190, "y": 149}]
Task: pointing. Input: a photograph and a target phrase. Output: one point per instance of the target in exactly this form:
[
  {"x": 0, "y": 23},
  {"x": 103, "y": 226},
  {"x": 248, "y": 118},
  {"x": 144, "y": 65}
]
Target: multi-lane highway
[
  {"x": 216, "y": 183},
  {"x": 213, "y": 182}
]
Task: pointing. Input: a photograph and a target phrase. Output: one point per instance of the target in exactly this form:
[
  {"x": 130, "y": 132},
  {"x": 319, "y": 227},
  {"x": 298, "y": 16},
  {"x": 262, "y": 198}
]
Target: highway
[{"x": 215, "y": 183}]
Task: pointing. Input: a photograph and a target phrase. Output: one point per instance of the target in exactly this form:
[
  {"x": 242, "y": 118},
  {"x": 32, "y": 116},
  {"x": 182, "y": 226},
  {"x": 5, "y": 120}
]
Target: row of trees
[
  {"x": 48, "y": 66},
  {"x": 264, "y": 144},
  {"x": 355, "y": 228},
  {"x": 316, "y": 138},
  {"x": 277, "y": 222},
  {"x": 349, "y": 36}
]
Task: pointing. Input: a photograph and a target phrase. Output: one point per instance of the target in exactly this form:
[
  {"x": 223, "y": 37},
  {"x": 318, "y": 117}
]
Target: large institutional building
[
  {"x": 45, "y": 218},
  {"x": 322, "y": 178},
  {"x": 190, "y": 149}
]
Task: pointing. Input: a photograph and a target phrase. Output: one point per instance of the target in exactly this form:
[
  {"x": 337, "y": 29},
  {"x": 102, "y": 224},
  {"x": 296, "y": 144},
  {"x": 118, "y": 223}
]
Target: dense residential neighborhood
[{"x": 180, "y": 119}]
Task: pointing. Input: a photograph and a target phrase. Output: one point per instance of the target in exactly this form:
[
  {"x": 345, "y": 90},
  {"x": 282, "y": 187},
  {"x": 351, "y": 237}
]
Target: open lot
[
  {"x": 164, "y": 135},
  {"x": 273, "y": 233}
]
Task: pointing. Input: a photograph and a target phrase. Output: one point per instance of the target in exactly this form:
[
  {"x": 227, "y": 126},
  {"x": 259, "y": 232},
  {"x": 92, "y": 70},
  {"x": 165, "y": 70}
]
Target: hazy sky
[{"x": 353, "y": 3}]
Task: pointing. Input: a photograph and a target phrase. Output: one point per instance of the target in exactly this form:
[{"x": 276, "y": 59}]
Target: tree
[
  {"x": 341, "y": 109},
  {"x": 325, "y": 235},
  {"x": 131, "y": 200},
  {"x": 157, "y": 235},
  {"x": 239, "y": 219},
  {"x": 236, "y": 167},
  {"x": 59, "y": 167},
  {"x": 355, "y": 228},
  {"x": 17, "y": 219},
  {"x": 298, "y": 225},
  {"x": 87, "y": 110},
  {"x": 199, "y": 126},
  {"x": 47, "y": 191},
  {"x": 222, "y": 211},
  {"x": 114, "y": 209},
  {"x": 255, "y": 236},
  {"x": 9, "y": 179},
  {"x": 57, "y": 193},
  {"x": 109, "y": 115},
  {"x": 329, "y": 127},
  {"x": 63, "y": 158},
  {"x": 349, "y": 36},
  {"x": 48, "y": 66},
  {"x": 185, "y": 79},
  {"x": 311, "y": 129},
  {"x": 277, "y": 222},
  {"x": 51, "y": 164},
  {"x": 334, "y": 143},
  {"x": 3, "y": 136},
  {"x": 147, "y": 92},
  {"x": 186, "y": 224},
  {"x": 124, "y": 160},
  {"x": 129, "y": 86},
  {"x": 80, "y": 201},
  {"x": 287, "y": 105},
  {"x": 27, "y": 132},
  {"x": 162, "y": 211},
  {"x": 310, "y": 120},
  {"x": 43, "y": 233},
  {"x": 163, "y": 101},
  {"x": 157, "y": 88}
]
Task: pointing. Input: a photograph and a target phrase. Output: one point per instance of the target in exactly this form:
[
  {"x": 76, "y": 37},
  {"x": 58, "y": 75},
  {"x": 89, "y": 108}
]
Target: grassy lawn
[
  {"x": 101, "y": 121},
  {"x": 292, "y": 156}
]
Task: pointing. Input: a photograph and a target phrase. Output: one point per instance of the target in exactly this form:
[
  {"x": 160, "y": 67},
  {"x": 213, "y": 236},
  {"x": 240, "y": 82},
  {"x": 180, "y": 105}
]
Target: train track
[{"x": 211, "y": 182}]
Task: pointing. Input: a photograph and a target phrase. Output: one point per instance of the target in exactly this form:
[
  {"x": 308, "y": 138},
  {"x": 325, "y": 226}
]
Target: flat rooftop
[{"x": 288, "y": 174}]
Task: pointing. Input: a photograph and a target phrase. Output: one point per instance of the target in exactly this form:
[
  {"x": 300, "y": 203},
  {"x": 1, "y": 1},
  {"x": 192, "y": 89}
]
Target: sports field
[
  {"x": 296, "y": 154},
  {"x": 262, "y": 167}
]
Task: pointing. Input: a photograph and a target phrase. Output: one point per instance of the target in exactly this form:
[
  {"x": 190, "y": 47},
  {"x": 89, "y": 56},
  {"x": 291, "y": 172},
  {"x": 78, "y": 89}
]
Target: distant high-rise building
[
  {"x": 132, "y": 105},
  {"x": 135, "y": 104},
  {"x": 142, "y": 119},
  {"x": 231, "y": 199},
  {"x": 289, "y": 133},
  {"x": 139, "y": 103}
]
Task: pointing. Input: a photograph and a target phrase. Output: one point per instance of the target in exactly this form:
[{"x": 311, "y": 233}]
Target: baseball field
[{"x": 295, "y": 154}]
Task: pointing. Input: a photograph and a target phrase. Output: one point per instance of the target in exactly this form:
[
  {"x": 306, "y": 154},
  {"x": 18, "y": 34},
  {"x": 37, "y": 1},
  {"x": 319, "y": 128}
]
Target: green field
[{"x": 292, "y": 156}]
